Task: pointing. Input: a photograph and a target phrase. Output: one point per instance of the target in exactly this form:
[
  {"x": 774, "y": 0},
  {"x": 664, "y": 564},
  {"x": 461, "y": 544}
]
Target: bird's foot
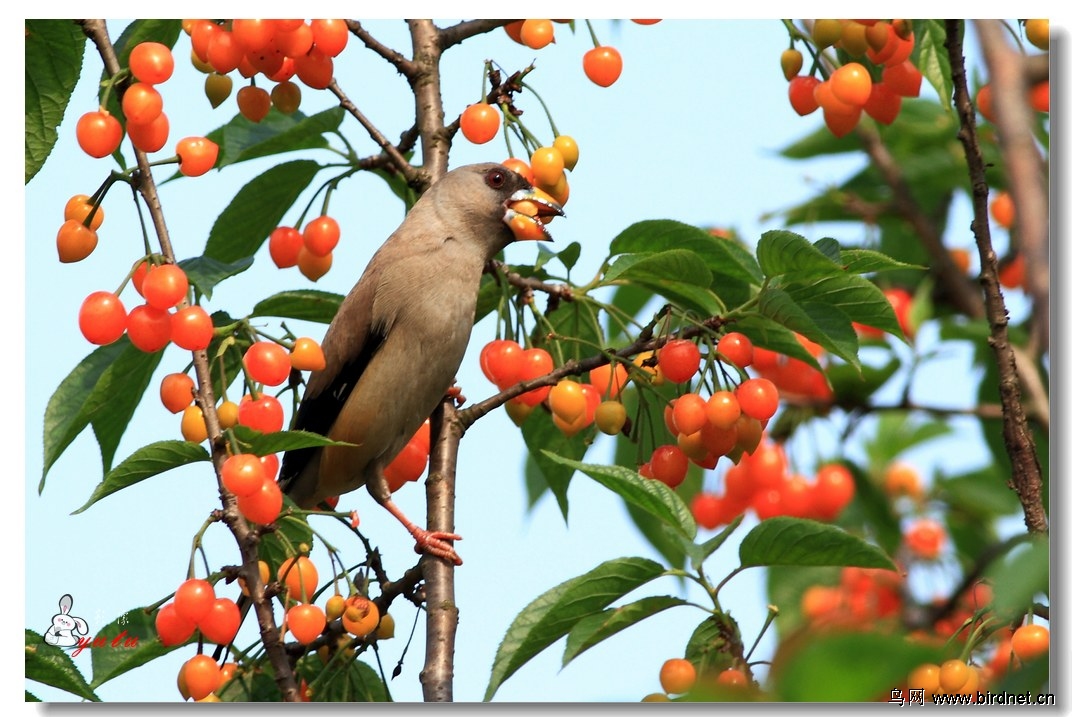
[{"x": 434, "y": 542}]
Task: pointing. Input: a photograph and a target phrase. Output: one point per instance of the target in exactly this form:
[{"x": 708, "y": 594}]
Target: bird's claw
[{"x": 434, "y": 542}]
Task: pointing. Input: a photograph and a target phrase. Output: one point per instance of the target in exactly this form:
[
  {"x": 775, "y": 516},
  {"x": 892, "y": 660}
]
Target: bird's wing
[{"x": 349, "y": 345}]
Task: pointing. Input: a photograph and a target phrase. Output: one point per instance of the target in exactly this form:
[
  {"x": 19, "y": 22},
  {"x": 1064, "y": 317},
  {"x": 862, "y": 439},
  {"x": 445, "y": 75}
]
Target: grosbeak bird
[{"x": 395, "y": 345}]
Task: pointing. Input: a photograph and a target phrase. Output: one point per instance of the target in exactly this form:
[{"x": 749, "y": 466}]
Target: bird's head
[{"x": 492, "y": 195}]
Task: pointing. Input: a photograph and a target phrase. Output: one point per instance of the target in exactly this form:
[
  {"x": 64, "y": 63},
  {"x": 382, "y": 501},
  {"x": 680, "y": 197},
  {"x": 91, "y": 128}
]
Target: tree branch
[
  {"x": 396, "y": 58},
  {"x": 426, "y": 84},
  {"x": 246, "y": 537},
  {"x": 457, "y": 34},
  {"x": 1026, "y": 477},
  {"x": 437, "y": 677},
  {"x": 394, "y": 155},
  {"x": 1025, "y": 171}
]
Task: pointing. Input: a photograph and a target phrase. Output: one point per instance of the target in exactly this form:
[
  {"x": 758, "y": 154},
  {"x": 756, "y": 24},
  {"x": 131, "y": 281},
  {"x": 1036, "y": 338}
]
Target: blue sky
[{"x": 689, "y": 132}]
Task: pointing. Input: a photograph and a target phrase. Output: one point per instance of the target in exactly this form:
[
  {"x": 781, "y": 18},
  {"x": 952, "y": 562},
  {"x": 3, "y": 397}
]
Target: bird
[{"x": 395, "y": 345}]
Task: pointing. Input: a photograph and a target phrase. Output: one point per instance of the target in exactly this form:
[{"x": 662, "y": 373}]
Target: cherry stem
[{"x": 592, "y": 32}]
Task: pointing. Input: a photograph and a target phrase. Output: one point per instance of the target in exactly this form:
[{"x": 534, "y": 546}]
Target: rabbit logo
[{"x": 65, "y": 627}]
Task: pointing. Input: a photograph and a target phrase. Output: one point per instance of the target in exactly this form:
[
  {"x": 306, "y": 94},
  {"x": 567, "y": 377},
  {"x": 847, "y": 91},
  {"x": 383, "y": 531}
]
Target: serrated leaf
[
  {"x": 541, "y": 433},
  {"x": 651, "y": 496},
  {"x": 304, "y": 304},
  {"x": 866, "y": 261},
  {"x": 263, "y": 444},
  {"x": 798, "y": 541},
  {"x": 841, "y": 666},
  {"x": 114, "y": 660},
  {"x": 854, "y": 296},
  {"x": 204, "y": 272},
  {"x": 594, "y": 629},
  {"x": 53, "y": 54},
  {"x": 676, "y": 275},
  {"x": 932, "y": 59},
  {"x": 104, "y": 389},
  {"x": 554, "y": 613},
  {"x": 769, "y": 334},
  {"x": 681, "y": 265},
  {"x": 785, "y": 252},
  {"x": 50, "y": 665},
  {"x": 257, "y": 209},
  {"x": 825, "y": 324},
  {"x": 723, "y": 257},
  {"x": 146, "y": 462},
  {"x": 241, "y": 140}
]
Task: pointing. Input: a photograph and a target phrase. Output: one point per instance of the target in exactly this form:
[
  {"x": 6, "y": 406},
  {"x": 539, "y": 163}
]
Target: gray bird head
[{"x": 499, "y": 199}]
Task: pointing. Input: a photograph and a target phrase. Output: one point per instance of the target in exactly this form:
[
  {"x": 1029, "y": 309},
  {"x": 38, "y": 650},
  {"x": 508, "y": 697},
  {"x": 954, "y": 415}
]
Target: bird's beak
[{"x": 528, "y": 211}]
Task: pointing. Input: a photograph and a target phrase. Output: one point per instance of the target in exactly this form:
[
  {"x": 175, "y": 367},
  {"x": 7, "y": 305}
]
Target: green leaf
[
  {"x": 304, "y": 304},
  {"x": 570, "y": 255},
  {"x": 897, "y": 431},
  {"x": 541, "y": 433},
  {"x": 204, "y": 272},
  {"x": 1020, "y": 577},
  {"x": 104, "y": 389},
  {"x": 257, "y": 209},
  {"x": 553, "y": 614},
  {"x": 279, "y": 545},
  {"x": 594, "y": 629},
  {"x": 799, "y": 541},
  {"x": 854, "y": 387},
  {"x": 769, "y": 334},
  {"x": 241, "y": 140},
  {"x": 854, "y": 296},
  {"x": 725, "y": 258},
  {"x": 146, "y": 462},
  {"x": 784, "y": 252},
  {"x": 252, "y": 686},
  {"x": 872, "y": 512},
  {"x": 50, "y": 665},
  {"x": 932, "y": 59},
  {"x": 825, "y": 324},
  {"x": 579, "y": 320},
  {"x": 54, "y": 51},
  {"x": 675, "y": 274},
  {"x": 710, "y": 646},
  {"x": 120, "y": 655},
  {"x": 651, "y": 496},
  {"x": 700, "y": 553},
  {"x": 655, "y": 267},
  {"x": 842, "y": 666},
  {"x": 343, "y": 681},
  {"x": 982, "y": 492},
  {"x": 263, "y": 444},
  {"x": 865, "y": 261}
]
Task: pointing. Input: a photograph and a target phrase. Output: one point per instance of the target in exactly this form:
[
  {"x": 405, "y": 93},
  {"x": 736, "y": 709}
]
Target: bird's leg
[{"x": 433, "y": 542}]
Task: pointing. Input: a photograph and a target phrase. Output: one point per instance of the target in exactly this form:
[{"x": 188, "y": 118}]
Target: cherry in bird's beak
[{"x": 526, "y": 213}]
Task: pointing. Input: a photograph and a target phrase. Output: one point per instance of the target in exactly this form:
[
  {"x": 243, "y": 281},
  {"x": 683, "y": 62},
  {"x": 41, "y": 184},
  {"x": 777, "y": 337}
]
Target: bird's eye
[{"x": 496, "y": 178}]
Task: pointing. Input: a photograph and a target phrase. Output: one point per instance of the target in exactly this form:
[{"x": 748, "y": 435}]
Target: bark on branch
[{"x": 1026, "y": 478}]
